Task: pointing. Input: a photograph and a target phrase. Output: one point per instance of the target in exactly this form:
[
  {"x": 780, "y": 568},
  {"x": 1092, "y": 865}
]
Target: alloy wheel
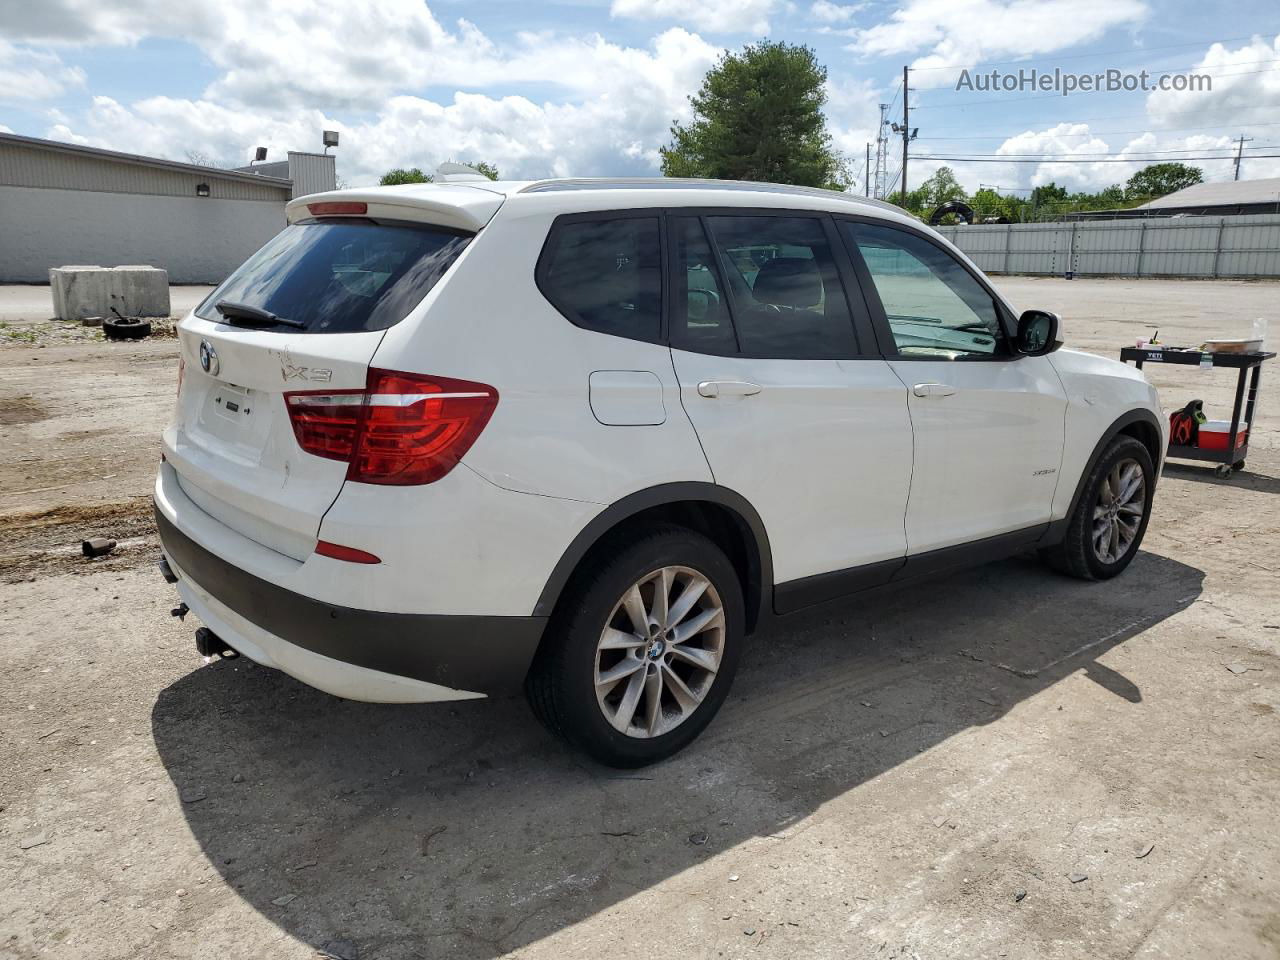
[
  {"x": 1118, "y": 511},
  {"x": 659, "y": 652}
]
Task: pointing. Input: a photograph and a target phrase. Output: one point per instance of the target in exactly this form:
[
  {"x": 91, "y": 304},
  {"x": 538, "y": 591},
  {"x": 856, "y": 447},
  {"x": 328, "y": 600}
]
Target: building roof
[
  {"x": 1228, "y": 193},
  {"x": 76, "y": 149}
]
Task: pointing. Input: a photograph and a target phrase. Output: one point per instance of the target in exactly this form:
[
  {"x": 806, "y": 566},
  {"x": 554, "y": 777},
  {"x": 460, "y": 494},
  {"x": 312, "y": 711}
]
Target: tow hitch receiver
[{"x": 210, "y": 645}]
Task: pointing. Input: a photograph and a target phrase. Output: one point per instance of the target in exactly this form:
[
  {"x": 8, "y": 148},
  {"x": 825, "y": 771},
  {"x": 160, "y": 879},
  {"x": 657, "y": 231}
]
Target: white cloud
[
  {"x": 718, "y": 16},
  {"x": 345, "y": 54},
  {"x": 1075, "y": 142},
  {"x": 964, "y": 32},
  {"x": 615, "y": 131},
  {"x": 1245, "y": 87},
  {"x": 827, "y": 12},
  {"x": 30, "y": 74}
]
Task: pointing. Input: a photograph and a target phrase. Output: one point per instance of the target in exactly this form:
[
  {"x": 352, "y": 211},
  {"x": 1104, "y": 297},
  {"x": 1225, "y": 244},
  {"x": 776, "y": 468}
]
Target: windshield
[{"x": 340, "y": 276}]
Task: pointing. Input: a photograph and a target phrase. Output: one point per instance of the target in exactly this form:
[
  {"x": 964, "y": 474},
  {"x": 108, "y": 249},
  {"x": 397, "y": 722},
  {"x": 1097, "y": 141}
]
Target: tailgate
[{"x": 305, "y": 313}]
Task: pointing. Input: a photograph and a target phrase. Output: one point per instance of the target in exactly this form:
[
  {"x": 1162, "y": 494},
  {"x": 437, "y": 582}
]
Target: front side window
[
  {"x": 606, "y": 275},
  {"x": 344, "y": 276},
  {"x": 934, "y": 306},
  {"x": 781, "y": 279}
]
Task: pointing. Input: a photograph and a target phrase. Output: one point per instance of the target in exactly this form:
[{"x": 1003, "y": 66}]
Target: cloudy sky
[{"x": 571, "y": 87}]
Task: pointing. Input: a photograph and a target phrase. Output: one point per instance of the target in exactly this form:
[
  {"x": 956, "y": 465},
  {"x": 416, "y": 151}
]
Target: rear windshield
[{"x": 340, "y": 276}]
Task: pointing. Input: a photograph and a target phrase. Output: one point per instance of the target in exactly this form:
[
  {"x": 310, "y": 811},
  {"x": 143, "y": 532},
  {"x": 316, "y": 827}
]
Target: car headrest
[{"x": 788, "y": 282}]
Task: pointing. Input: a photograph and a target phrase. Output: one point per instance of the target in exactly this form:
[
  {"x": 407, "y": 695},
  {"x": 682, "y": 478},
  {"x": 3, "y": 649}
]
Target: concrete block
[
  {"x": 139, "y": 291},
  {"x": 80, "y": 291},
  {"x": 90, "y": 291}
]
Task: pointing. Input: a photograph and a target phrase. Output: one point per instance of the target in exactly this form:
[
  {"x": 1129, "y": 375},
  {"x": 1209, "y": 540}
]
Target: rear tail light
[{"x": 402, "y": 429}]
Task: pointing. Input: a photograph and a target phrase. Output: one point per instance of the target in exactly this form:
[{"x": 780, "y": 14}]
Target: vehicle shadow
[
  {"x": 463, "y": 830},
  {"x": 1244, "y": 479}
]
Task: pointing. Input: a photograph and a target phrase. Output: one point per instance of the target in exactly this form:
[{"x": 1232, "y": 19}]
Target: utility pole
[
  {"x": 907, "y": 133},
  {"x": 1240, "y": 153},
  {"x": 866, "y": 174},
  {"x": 906, "y": 136}
]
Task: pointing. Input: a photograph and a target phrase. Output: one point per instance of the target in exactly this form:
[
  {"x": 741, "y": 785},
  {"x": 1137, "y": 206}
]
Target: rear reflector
[
  {"x": 337, "y": 208},
  {"x": 403, "y": 429},
  {"x": 337, "y": 551}
]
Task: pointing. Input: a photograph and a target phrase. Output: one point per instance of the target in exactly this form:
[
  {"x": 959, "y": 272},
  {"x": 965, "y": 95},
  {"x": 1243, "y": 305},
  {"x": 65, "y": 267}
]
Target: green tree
[
  {"x": 393, "y": 178},
  {"x": 401, "y": 175},
  {"x": 758, "y": 116},
  {"x": 940, "y": 188},
  {"x": 488, "y": 169},
  {"x": 991, "y": 203},
  {"x": 1048, "y": 195},
  {"x": 1159, "y": 179}
]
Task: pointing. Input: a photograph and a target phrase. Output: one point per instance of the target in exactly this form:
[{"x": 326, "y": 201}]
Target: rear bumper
[{"x": 360, "y": 654}]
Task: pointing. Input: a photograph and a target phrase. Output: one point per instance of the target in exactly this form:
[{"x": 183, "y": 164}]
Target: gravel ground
[{"x": 1004, "y": 763}]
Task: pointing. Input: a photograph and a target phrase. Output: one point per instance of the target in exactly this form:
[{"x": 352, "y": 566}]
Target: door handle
[
  {"x": 727, "y": 388},
  {"x": 933, "y": 390}
]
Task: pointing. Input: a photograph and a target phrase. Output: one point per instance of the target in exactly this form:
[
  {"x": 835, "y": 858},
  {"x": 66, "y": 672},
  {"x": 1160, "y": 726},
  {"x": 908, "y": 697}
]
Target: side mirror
[{"x": 1038, "y": 332}]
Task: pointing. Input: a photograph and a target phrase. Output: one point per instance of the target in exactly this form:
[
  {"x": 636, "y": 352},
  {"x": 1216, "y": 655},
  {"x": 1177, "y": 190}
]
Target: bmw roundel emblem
[{"x": 208, "y": 358}]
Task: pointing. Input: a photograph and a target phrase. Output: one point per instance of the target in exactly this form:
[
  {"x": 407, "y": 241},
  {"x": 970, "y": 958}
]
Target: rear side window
[
  {"x": 606, "y": 275},
  {"x": 341, "y": 276}
]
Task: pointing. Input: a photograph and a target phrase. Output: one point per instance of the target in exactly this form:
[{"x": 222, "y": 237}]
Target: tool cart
[{"x": 1249, "y": 371}]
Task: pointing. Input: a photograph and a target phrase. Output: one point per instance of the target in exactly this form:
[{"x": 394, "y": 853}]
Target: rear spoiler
[{"x": 455, "y": 205}]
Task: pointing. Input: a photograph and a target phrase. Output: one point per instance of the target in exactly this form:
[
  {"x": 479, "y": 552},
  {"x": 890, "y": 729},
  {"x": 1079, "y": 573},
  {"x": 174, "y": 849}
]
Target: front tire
[
  {"x": 1108, "y": 524},
  {"x": 642, "y": 651}
]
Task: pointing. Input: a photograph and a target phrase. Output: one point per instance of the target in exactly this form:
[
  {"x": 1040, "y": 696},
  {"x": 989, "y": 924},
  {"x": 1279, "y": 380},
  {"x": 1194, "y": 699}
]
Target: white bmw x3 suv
[{"x": 444, "y": 441}]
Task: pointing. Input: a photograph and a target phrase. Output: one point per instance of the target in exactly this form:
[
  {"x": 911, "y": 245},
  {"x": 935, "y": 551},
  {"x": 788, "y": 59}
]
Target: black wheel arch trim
[
  {"x": 1058, "y": 528},
  {"x": 759, "y": 588}
]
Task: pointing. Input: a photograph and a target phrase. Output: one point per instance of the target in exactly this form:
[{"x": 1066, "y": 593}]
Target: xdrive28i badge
[{"x": 208, "y": 358}]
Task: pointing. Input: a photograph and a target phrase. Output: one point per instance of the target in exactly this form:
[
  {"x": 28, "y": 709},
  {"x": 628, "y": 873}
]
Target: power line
[
  {"x": 1139, "y": 153},
  {"x": 1128, "y": 68},
  {"x": 1059, "y": 96},
  {"x": 990, "y": 159},
  {"x": 1108, "y": 133},
  {"x": 1104, "y": 53}
]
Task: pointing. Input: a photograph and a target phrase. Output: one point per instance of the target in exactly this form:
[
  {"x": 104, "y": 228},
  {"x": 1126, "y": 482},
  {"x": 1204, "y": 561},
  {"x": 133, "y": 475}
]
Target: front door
[
  {"x": 788, "y": 410},
  {"x": 988, "y": 422}
]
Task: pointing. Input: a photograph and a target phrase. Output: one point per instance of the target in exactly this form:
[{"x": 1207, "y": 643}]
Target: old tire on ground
[
  {"x": 642, "y": 650},
  {"x": 125, "y": 328},
  {"x": 1107, "y": 526}
]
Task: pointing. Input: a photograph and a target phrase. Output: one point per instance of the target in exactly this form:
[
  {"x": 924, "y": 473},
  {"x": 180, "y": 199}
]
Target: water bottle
[{"x": 1260, "y": 332}]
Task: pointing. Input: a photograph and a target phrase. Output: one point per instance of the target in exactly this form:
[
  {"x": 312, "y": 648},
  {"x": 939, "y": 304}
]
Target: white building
[{"x": 62, "y": 204}]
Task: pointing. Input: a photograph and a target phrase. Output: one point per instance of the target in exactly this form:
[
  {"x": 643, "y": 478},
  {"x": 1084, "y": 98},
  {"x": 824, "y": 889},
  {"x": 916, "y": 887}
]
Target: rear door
[
  {"x": 988, "y": 422},
  {"x": 305, "y": 313},
  {"x": 790, "y": 411}
]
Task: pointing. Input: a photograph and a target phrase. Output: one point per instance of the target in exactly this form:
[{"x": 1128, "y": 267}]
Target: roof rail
[{"x": 682, "y": 183}]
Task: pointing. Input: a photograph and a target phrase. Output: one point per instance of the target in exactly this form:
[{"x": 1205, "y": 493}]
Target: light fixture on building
[
  {"x": 259, "y": 154},
  {"x": 202, "y": 189},
  {"x": 330, "y": 138}
]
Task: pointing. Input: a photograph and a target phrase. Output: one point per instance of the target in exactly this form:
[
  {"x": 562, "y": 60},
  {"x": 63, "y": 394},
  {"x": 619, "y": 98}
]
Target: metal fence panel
[{"x": 1238, "y": 246}]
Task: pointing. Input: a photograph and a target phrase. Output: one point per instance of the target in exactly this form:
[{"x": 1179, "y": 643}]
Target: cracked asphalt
[{"x": 927, "y": 773}]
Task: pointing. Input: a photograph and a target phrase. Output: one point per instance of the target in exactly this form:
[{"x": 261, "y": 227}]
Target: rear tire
[
  {"x": 622, "y": 617},
  {"x": 1108, "y": 524}
]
